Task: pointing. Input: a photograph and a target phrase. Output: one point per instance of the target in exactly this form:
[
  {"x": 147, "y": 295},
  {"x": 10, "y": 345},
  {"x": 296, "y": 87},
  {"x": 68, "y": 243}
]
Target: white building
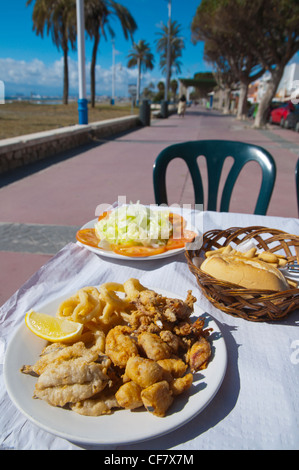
[
  {"x": 289, "y": 84},
  {"x": 287, "y": 89}
]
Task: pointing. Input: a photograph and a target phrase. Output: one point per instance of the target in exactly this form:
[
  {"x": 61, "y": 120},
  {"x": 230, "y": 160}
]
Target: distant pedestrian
[{"x": 182, "y": 106}]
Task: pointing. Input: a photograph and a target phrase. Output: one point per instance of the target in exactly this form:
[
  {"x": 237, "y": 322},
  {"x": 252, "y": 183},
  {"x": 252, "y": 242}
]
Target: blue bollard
[{"x": 83, "y": 111}]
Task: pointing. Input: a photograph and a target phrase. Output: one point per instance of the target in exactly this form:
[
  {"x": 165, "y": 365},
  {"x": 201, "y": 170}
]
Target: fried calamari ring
[
  {"x": 82, "y": 307},
  {"x": 132, "y": 288},
  {"x": 101, "y": 306}
]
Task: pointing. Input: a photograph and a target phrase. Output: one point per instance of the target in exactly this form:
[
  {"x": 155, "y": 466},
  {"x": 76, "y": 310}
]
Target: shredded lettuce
[{"x": 135, "y": 224}]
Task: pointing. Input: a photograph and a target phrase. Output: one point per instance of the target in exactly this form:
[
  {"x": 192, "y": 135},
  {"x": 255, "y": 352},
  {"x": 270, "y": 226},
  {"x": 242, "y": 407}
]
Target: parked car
[
  {"x": 292, "y": 119},
  {"x": 274, "y": 105},
  {"x": 279, "y": 115},
  {"x": 254, "y": 107}
]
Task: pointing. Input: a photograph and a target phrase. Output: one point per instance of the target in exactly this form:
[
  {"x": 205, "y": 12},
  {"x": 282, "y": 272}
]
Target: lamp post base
[{"x": 83, "y": 111}]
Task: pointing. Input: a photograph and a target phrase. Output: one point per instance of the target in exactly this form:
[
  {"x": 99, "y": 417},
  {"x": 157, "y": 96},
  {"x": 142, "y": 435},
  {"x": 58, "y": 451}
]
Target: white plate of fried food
[{"x": 148, "y": 361}]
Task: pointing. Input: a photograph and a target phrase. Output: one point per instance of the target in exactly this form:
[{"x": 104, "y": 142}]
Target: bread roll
[{"x": 252, "y": 274}]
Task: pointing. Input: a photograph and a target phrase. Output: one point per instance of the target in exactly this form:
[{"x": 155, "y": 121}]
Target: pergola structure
[{"x": 203, "y": 85}]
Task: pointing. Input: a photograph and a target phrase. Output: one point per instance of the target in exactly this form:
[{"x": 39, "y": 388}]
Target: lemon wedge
[{"x": 51, "y": 328}]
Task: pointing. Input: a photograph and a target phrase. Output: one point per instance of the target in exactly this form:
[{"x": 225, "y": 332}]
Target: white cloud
[{"x": 35, "y": 76}]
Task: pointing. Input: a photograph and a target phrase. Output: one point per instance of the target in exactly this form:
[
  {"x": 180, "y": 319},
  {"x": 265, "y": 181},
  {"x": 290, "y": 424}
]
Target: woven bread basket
[{"x": 249, "y": 304}]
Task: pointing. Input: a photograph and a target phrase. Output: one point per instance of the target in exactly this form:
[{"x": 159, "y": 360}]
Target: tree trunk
[
  {"x": 65, "y": 76},
  {"x": 262, "y": 112},
  {"x": 226, "y": 93},
  {"x": 93, "y": 70},
  {"x": 242, "y": 104},
  {"x": 168, "y": 79}
]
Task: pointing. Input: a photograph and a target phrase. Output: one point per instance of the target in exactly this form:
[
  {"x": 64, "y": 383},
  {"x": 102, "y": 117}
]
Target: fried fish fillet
[
  {"x": 120, "y": 346},
  {"x": 153, "y": 346},
  {"x": 72, "y": 372},
  {"x": 199, "y": 354},
  {"x": 129, "y": 395},
  {"x": 157, "y": 398},
  {"x": 143, "y": 371},
  {"x": 71, "y": 381},
  {"x": 101, "y": 404},
  {"x": 63, "y": 394},
  {"x": 58, "y": 352}
]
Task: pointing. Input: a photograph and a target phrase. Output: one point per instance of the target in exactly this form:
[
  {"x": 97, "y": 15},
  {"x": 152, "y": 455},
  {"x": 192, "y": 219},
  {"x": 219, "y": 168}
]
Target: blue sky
[{"x": 29, "y": 63}]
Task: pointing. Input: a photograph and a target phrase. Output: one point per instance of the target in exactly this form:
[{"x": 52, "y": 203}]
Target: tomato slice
[
  {"x": 175, "y": 243},
  {"x": 87, "y": 236},
  {"x": 138, "y": 251},
  {"x": 189, "y": 236},
  {"x": 179, "y": 223},
  {"x": 102, "y": 216},
  {"x": 177, "y": 219}
]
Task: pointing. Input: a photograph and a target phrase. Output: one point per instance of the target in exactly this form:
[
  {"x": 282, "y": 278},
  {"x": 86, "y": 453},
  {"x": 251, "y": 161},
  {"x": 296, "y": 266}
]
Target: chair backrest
[
  {"x": 215, "y": 152},
  {"x": 297, "y": 182}
]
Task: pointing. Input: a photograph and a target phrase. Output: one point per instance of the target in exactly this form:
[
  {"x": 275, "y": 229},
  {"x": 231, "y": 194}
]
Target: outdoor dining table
[{"x": 256, "y": 405}]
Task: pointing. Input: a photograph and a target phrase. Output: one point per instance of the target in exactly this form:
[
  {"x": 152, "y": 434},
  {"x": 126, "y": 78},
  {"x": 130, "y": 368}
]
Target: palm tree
[
  {"x": 148, "y": 91},
  {"x": 174, "y": 87},
  {"x": 176, "y": 47},
  {"x": 160, "y": 94},
  {"x": 58, "y": 17},
  {"x": 141, "y": 56},
  {"x": 97, "y": 15}
]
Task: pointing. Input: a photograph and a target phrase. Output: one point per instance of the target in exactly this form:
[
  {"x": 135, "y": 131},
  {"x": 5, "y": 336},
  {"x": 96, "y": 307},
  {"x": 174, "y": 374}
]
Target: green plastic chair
[{"x": 215, "y": 152}]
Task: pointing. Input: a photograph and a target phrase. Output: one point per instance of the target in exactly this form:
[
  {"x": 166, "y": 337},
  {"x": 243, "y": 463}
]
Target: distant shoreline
[
  {"x": 34, "y": 100},
  {"x": 58, "y": 100}
]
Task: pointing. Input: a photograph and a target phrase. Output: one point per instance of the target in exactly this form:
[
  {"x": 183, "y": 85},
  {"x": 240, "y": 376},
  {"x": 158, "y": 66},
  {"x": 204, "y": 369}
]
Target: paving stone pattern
[{"x": 33, "y": 238}]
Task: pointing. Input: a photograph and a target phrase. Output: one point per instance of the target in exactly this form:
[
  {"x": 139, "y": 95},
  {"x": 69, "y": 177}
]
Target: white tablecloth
[{"x": 256, "y": 406}]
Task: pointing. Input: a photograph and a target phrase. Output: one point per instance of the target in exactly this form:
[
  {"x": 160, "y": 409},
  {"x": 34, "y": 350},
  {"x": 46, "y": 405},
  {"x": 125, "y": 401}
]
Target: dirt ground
[{"x": 23, "y": 117}]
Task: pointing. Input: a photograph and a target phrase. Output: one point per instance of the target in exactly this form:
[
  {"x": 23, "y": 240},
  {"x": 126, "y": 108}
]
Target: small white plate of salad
[{"x": 138, "y": 232}]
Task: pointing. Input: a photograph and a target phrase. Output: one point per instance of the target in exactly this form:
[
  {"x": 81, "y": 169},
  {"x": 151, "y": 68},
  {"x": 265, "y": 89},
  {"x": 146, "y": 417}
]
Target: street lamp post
[
  {"x": 113, "y": 73},
  {"x": 168, "y": 52},
  {"x": 138, "y": 80},
  {"x": 82, "y": 101}
]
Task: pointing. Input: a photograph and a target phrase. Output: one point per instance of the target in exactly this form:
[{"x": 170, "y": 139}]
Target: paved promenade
[{"x": 42, "y": 206}]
